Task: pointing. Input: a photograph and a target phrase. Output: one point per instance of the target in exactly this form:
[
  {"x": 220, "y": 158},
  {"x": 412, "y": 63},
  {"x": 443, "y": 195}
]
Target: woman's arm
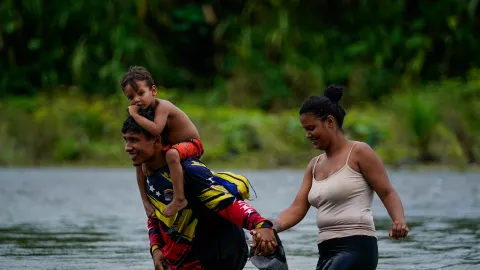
[
  {"x": 299, "y": 207},
  {"x": 373, "y": 170}
]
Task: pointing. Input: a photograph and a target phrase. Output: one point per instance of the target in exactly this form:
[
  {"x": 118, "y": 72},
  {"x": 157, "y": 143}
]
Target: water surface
[{"x": 94, "y": 219}]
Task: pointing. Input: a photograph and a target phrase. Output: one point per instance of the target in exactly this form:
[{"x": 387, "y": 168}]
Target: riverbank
[{"x": 67, "y": 128}]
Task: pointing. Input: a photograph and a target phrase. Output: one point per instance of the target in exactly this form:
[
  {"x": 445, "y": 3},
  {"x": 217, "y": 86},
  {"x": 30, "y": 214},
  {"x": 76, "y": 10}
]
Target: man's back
[
  {"x": 197, "y": 237},
  {"x": 218, "y": 243}
]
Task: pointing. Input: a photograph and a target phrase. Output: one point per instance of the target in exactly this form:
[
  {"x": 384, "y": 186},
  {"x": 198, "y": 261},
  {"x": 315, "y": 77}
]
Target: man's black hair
[{"x": 129, "y": 125}]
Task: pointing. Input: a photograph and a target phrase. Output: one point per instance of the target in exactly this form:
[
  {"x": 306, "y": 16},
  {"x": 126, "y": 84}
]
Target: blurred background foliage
[{"x": 241, "y": 69}]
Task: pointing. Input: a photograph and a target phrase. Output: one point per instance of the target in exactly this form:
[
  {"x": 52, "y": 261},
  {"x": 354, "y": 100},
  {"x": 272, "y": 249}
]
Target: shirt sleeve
[
  {"x": 154, "y": 234},
  {"x": 244, "y": 215}
]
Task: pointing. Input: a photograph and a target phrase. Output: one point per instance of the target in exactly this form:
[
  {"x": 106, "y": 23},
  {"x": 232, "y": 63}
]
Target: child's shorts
[{"x": 189, "y": 149}]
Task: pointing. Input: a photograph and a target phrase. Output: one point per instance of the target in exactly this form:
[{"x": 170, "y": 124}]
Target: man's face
[{"x": 139, "y": 147}]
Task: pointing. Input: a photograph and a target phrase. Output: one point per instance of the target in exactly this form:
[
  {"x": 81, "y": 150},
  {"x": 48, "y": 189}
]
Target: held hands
[
  {"x": 399, "y": 230},
  {"x": 264, "y": 241}
]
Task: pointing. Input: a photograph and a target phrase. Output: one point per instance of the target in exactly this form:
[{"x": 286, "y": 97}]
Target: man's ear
[{"x": 158, "y": 141}]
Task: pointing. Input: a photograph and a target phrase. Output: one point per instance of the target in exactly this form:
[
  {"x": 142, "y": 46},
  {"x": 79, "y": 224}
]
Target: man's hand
[
  {"x": 264, "y": 240},
  {"x": 133, "y": 109},
  {"x": 158, "y": 259},
  {"x": 149, "y": 210}
]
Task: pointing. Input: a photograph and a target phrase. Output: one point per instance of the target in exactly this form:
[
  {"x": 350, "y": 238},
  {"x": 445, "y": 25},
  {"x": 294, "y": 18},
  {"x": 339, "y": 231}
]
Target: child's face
[{"x": 143, "y": 96}]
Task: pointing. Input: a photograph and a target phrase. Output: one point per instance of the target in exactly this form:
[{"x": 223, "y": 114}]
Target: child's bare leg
[
  {"x": 141, "y": 181},
  {"x": 176, "y": 172}
]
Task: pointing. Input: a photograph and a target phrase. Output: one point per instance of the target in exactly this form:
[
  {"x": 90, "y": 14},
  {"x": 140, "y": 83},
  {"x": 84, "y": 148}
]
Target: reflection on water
[
  {"x": 93, "y": 219},
  {"x": 25, "y": 240}
]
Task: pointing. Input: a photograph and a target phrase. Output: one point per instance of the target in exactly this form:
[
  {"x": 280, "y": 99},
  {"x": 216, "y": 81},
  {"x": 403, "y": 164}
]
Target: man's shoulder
[
  {"x": 161, "y": 173},
  {"x": 193, "y": 162},
  {"x": 191, "y": 166}
]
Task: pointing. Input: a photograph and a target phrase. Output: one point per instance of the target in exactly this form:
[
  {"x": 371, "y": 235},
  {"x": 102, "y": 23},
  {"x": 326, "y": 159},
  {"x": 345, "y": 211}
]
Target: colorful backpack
[{"x": 236, "y": 184}]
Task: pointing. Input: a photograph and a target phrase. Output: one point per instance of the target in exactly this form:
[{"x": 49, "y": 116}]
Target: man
[{"x": 207, "y": 233}]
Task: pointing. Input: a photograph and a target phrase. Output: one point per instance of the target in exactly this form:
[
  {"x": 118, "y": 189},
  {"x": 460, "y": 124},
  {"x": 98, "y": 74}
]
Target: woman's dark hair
[{"x": 325, "y": 105}]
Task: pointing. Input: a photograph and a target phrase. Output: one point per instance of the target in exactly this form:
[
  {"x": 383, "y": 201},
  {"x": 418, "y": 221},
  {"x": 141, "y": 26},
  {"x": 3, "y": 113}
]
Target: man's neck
[{"x": 158, "y": 161}]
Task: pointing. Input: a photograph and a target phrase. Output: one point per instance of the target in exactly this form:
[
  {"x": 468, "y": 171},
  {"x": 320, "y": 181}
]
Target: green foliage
[
  {"x": 67, "y": 127},
  {"x": 243, "y": 68},
  {"x": 257, "y": 54}
]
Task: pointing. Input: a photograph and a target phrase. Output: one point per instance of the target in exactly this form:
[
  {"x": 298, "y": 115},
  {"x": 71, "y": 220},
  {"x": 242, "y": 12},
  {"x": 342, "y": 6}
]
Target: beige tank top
[{"x": 344, "y": 203}]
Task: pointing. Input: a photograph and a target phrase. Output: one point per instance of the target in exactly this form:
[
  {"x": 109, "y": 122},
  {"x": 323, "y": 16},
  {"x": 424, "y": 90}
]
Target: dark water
[{"x": 93, "y": 219}]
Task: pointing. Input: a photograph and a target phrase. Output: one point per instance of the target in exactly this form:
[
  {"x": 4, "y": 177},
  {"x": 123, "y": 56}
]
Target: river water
[{"x": 93, "y": 219}]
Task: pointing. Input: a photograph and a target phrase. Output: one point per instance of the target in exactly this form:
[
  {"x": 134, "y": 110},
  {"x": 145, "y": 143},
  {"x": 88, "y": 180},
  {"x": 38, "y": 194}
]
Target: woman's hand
[{"x": 399, "y": 230}]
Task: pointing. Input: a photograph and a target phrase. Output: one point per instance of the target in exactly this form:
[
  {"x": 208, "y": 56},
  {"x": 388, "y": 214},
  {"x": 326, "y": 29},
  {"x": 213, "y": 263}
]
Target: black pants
[{"x": 348, "y": 253}]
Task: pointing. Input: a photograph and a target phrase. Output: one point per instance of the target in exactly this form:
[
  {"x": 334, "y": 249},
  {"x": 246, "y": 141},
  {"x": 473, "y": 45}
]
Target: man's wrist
[
  {"x": 264, "y": 224},
  {"x": 153, "y": 248}
]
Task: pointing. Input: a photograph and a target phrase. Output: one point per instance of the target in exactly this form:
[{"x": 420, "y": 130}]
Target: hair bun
[{"x": 334, "y": 93}]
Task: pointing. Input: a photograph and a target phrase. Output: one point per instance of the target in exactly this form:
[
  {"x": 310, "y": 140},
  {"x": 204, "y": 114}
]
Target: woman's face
[{"x": 316, "y": 130}]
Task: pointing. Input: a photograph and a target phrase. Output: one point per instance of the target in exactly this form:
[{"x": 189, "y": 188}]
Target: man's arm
[
  {"x": 141, "y": 179},
  {"x": 217, "y": 199},
  {"x": 156, "y": 241},
  {"x": 243, "y": 215}
]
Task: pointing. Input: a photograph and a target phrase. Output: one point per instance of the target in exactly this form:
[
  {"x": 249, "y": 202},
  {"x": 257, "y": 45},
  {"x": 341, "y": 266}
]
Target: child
[{"x": 178, "y": 133}]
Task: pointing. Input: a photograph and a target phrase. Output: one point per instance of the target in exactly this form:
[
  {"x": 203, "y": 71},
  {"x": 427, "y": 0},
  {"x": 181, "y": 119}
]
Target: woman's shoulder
[
  {"x": 361, "y": 151},
  {"x": 315, "y": 160},
  {"x": 359, "y": 146}
]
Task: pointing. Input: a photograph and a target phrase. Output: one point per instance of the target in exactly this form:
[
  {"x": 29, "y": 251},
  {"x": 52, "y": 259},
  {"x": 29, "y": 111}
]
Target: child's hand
[
  {"x": 146, "y": 170},
  {"x": 133, "y": 109},
  {"x": 149, "y": 210}
]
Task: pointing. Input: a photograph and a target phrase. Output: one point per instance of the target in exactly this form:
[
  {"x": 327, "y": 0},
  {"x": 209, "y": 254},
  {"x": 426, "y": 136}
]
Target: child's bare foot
[{"x": 174, "y": 206}]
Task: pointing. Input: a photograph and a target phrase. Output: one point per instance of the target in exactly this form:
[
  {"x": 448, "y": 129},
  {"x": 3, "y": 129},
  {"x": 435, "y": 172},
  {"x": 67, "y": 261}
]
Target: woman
[{"x": 341, "y": 183}]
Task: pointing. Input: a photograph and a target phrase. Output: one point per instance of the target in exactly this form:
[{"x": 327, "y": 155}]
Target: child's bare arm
[{"x": 154, "y": 128}]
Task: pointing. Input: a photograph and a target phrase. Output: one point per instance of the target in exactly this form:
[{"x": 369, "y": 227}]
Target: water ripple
[{"x": 93, "y": 219}]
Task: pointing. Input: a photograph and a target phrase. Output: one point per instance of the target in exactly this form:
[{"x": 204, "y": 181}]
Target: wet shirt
[{"x": 207, "y": 201}]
